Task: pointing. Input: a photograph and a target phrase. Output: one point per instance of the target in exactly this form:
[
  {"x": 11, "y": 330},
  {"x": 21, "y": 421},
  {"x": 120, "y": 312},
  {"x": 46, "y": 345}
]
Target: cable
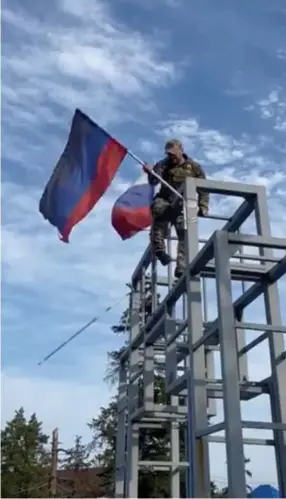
[
  {"x": 81, "y": 330},
  {"x": 35, "y": 487}
]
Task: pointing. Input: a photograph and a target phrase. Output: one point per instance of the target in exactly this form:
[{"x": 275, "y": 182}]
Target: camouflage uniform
[{"x": 162, "y": 210}]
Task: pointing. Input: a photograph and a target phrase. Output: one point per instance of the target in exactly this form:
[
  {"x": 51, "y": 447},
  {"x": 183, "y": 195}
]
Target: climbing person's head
[{"x": 174, "y": 151}]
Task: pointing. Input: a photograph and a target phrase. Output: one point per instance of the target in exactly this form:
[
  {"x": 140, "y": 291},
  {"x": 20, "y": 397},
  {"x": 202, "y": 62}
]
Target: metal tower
[{"x": 184, "y": 349}]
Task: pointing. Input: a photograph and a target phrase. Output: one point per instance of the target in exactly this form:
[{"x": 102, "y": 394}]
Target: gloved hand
[{"x": 202, "y": 212}]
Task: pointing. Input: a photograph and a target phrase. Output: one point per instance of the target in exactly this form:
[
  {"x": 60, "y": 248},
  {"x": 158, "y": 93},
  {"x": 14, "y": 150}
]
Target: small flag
[
  {"x": 131, "y": 212},
  {"x": 82, "y": 175}
]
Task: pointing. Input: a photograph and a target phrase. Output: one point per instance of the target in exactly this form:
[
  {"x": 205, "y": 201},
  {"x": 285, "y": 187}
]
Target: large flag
[
  {"x": 131, "y": 212},
  {"x": 82, "y": 175}
]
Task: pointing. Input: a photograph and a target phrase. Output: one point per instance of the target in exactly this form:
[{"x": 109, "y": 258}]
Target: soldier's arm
[
  {"x": 158, "y": 168},
  {"x": 203, "y": 197}
]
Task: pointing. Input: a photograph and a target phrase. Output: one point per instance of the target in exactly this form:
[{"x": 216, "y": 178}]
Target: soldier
[{"x": 173, "y": 169}]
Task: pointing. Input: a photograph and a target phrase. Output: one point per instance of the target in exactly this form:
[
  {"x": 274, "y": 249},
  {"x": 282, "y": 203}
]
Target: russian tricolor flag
[
  {"x": 131, "y": 212},
  {"x": 82, "y": 175}
]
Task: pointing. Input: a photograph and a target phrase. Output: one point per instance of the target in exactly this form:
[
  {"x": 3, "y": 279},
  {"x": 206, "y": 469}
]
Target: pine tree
[
  {"x": 103, "y": 430},
  {"x": 25, "y": 459},
  {"x": 76, "y": 457},
  {"x": 77, "y": 462}
]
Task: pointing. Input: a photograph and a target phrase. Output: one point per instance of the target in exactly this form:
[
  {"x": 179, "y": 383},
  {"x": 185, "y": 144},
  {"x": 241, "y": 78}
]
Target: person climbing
[{"x": 174, "y": 168}]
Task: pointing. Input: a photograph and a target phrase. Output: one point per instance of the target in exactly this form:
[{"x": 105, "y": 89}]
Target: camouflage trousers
[{"x": 163, "y": 213}]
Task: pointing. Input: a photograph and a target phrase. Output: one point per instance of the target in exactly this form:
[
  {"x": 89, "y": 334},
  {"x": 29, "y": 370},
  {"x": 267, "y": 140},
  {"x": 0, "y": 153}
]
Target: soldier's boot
[
  {"x": 181, "y": 263},
  {"x": 179, "y": 270},
  {"x": 163, "y": 257}
]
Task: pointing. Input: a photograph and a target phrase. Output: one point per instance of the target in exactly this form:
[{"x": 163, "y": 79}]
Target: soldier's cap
[{"x": 173, "y": 142}]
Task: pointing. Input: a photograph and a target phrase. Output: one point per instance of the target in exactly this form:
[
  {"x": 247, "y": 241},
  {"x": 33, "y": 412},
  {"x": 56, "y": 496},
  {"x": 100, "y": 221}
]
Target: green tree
[
  {"x": 103, "y": 430},
  {"x": 76, "y": 457},
  {"x": 24, "y": 457},
  {"x": 76, "y": 463}
]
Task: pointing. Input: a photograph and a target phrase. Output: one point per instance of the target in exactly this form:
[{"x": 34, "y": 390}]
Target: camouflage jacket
[{"x": 175, "y": 176}]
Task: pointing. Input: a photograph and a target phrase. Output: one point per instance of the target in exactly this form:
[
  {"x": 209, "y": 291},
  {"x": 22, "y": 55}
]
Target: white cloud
[
  {"x": 148, "y": 147},
  {"x": 281, "y": 54},
  {"x": 90, "y": 61},
  {"x": 273, "y": 108},
  {"x": 217, "y": 148}
]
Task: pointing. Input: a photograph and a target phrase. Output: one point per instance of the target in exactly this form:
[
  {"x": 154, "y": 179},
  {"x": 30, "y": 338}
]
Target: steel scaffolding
[{"x": 183, "y": 349}]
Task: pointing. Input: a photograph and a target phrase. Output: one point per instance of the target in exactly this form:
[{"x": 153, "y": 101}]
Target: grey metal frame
[{"x": 193, "y": 339}]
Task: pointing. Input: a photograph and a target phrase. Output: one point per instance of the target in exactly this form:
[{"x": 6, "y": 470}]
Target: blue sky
[{"x": 210, "y": 73}]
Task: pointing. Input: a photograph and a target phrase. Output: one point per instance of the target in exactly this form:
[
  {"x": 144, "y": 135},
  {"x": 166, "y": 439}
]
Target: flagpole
[{"x": 154, "y": 174}]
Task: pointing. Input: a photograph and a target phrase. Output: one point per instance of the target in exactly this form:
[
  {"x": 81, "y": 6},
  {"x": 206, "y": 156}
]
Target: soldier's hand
[
  {"x": 146, "y": 168},
  {"x": 203, "y": 212}
]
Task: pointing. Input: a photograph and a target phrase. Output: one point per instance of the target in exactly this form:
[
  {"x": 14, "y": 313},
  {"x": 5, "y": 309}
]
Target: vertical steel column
[
  {"x": 120, "y": 464},
  {"x": 174, "y": 425},
  {"x": 241, "y": 335},
  {"x": 209, "y": 354},
  {"x": 148, "y": 354},
  {"x": 230, "y": 371},
  {"x": 148, "y": 377},
  {"x": 133, "y": 393},
  {"x": 154, "y": 287},
  {"x": 199, "y": 479},
  {"x": 186, "y": 369},
  {"x": 276, "y": 348}
]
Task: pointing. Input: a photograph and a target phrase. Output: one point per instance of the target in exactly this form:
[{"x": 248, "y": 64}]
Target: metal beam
[
  {"x": 257, "y": 241},
  {"x": 231, "y": 392},
  {"x": 236, "y": 189}
]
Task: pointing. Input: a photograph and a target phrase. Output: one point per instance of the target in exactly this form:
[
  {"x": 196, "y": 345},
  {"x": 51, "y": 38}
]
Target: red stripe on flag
[
  {"x": 127, "y": 223},
  {"x": 107, "y": 165}
]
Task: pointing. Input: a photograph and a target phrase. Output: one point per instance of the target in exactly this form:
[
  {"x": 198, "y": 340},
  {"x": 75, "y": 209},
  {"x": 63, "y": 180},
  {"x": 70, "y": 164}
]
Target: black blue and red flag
[
  {"x": 131, "y": 212},
  {"x": 82, "y": 175}
]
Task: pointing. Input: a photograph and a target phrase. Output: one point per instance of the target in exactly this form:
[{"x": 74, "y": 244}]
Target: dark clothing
[
  {"x": 162, "y": 210},
  {"x": 175, "y": 176}
]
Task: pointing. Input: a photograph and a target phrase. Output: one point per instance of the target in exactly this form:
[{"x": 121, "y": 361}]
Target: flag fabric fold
[
  {"x": 82, "y": 175},
  {"x": 131, "y": 212}
]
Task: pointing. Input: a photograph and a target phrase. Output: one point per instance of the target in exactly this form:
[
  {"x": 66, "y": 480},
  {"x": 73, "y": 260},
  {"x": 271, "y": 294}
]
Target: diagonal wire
[
  {"x": 81, "y": 330},
  {"x": 34, "y": 487}
]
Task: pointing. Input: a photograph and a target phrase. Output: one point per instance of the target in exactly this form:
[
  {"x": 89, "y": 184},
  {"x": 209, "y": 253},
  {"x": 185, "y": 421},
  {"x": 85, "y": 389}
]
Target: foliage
[
  {"x": 74, "y": 478},
  {"x": 122, "y": 328},
  {"x": 24, "y": 463},
  {"x": 76, "y": 457},
  {"x": 103, "y": 430}
]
